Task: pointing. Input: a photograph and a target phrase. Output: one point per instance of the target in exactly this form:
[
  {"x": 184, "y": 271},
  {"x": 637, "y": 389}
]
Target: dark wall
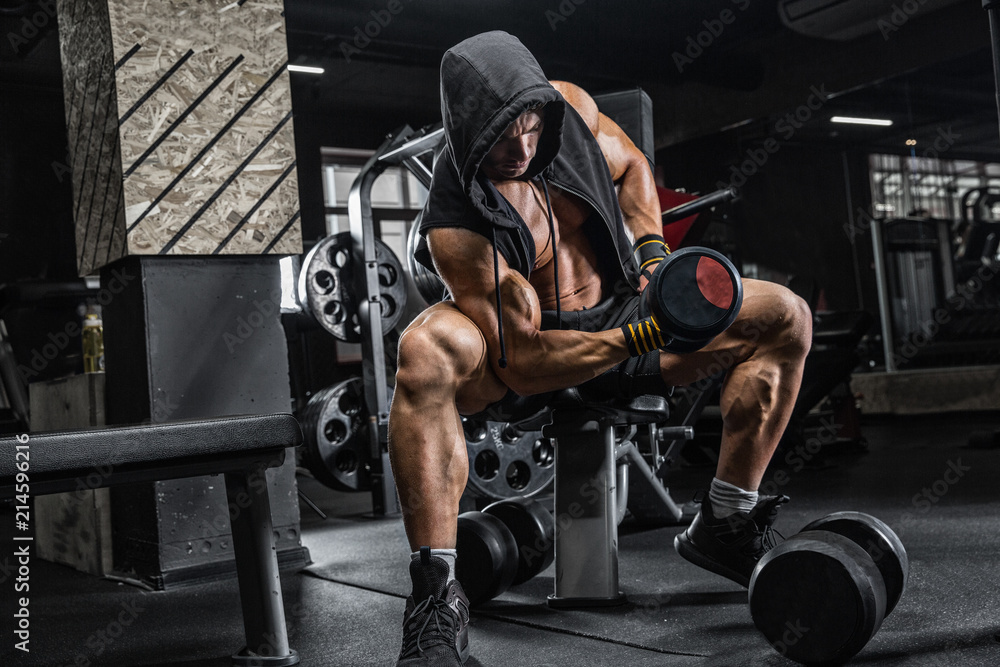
[
  {"x": 318, "y": 125},
  {"x": 796, "y": 220},
  {"x": 795, "y": 213},
  {"x": 36, "y": 218}
]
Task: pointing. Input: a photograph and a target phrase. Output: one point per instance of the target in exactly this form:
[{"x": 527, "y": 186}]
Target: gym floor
[{"x": 346, "y": 608}]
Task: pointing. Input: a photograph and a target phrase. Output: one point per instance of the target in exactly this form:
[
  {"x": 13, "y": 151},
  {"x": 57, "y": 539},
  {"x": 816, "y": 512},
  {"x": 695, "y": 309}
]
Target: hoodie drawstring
[
  {"x": 502, "y": 362},
  {"x": 555, "y": 252}
]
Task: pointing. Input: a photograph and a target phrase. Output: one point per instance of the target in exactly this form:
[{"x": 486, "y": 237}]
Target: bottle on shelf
[{"x": 93, "y": 343}]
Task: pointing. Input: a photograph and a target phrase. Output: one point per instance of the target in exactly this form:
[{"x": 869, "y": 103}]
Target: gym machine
[{"x": 345, "y": 425}]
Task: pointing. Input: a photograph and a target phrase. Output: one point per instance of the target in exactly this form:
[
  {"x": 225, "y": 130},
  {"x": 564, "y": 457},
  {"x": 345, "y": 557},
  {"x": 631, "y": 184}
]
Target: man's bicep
[{"x": 464, "y": 260}]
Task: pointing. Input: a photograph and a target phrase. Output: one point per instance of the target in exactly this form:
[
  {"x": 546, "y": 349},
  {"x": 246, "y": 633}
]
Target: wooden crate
[{"x": 72, "y": 528}]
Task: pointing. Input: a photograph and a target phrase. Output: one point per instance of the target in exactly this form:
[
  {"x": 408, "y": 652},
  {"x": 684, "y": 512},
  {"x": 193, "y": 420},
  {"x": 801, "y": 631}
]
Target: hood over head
[{"x": 487, "y": 81}]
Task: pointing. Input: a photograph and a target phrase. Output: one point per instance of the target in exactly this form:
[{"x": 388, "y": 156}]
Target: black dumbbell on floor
[
  {"x": 821, "y": 595},
  {"x": 506, "y": 544}
]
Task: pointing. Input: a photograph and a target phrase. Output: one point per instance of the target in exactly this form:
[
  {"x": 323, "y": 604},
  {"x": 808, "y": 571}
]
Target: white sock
[
  {"x": 447, "y": 555},
  {"x": 728, "y": 499}
]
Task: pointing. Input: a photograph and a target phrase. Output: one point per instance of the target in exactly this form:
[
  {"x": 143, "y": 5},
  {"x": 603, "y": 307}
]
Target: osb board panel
[
  {"x": 92, "y": 124},
  {"x": 205, "y": 144}
]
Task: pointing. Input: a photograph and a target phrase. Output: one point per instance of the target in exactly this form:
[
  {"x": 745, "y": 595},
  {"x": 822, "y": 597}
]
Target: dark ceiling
[{"x": 929, "y": 71}]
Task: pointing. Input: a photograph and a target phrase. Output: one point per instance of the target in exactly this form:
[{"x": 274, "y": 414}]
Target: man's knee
[
  {"x": 438, "y": 352},
  {"x": 779, "y": 319},
  {"x": 794, "y": 330}
]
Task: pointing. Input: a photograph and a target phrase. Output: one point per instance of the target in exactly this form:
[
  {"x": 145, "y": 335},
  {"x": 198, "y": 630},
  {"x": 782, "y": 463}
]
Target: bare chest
[
  {"x": 577, "y": 284},
  {"x": 568, "y": 215}
]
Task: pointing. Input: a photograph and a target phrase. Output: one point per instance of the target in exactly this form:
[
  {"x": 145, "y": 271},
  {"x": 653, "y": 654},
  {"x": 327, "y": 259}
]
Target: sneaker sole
[
  {"x": 463, "y": 651},
  {"x": 689, "y": 552}
]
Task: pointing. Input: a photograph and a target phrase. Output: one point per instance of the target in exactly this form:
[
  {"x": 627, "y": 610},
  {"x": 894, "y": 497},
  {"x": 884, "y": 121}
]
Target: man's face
[{"x": 512, "y": 153}]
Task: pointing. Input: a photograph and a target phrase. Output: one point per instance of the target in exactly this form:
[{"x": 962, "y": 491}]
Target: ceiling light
[
  {"x": 861, "y": 121},
  {"x": 305, "y": 69},
  {"x": 911, "y": 142}
]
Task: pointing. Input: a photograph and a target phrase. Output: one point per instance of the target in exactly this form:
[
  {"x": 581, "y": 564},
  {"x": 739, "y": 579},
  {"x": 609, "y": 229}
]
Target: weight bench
[
  {"x": 242, "y": 448},
  {"x": 592, "y": 487}
]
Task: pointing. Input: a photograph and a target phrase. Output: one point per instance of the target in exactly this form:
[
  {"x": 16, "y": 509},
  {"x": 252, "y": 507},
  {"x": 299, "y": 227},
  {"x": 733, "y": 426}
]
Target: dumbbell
[
  {"x": 821, "y": 595},
  {"x": 506, "y": 544},
  {"x": 694, "y": 294}
]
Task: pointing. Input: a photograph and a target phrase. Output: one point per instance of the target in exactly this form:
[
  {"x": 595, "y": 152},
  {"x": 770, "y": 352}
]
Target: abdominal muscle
[
  {"x": 579, "y": 279},
  {"x": 580, "y": 284}
]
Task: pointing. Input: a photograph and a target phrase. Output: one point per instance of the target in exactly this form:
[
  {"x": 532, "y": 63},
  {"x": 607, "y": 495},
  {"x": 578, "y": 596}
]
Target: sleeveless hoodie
[{"x": 487, "y": 81}]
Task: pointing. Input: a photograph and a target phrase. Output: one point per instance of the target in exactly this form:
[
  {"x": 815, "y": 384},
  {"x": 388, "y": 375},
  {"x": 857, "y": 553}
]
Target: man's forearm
[
  {"x": 639, "y": 203},
  {"x": 556, "y": 359}
]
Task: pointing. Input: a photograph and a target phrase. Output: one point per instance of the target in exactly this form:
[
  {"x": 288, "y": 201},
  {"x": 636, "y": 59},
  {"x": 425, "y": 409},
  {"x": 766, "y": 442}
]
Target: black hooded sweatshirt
[{"x": 487, "y": 81}]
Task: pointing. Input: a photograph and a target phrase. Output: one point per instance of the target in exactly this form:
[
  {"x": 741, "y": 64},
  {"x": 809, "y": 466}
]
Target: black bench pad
[{"x": 57, "y": 453}]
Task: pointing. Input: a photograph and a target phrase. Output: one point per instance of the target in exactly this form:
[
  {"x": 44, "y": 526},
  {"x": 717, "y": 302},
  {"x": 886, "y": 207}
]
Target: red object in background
[{"x": 674, "y": 233}]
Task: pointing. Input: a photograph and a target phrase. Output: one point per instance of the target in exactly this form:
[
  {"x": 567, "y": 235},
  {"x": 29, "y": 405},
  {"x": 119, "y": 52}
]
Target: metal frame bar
[
  {"x": 402, "y": 147},
  {"x": 257, "y": 571},
  {"x": 586, "y": 546},
  {"x": 882, "y": 286}
]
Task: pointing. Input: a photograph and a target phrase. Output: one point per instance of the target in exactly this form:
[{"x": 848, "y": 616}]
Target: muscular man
[{"x": 523, "y": 220}]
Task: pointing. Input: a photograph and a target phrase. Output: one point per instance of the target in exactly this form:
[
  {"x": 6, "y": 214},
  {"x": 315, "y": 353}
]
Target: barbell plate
[
  {"x": 817, "y": 598},
  {"x": 505, "y": 462},
  {"x": 335, "y": 448},
  {"x": 326, "y": 287},
  {"x": 487, "y": 556},
  {"x": 879, "y": 541}
]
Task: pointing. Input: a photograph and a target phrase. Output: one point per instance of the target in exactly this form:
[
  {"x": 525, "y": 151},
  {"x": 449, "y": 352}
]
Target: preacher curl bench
[{"x": 242, "y": 448}]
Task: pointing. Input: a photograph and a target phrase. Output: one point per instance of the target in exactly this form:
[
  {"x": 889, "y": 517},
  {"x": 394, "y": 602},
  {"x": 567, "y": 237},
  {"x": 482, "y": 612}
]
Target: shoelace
[
  {"x": 767, "y": 542},
  {"x": 767, "y": 539},
  {"x": 435, "y": 609}
]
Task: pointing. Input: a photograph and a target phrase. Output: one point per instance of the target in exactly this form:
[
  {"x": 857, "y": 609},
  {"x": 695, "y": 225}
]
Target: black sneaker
[
  {"x": 733, "y": 545},
  {"x": 436, "y": 622}
]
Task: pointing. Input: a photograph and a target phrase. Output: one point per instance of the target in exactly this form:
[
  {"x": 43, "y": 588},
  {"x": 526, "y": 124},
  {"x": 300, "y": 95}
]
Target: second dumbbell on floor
[{"x": 506, "y": 544}]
